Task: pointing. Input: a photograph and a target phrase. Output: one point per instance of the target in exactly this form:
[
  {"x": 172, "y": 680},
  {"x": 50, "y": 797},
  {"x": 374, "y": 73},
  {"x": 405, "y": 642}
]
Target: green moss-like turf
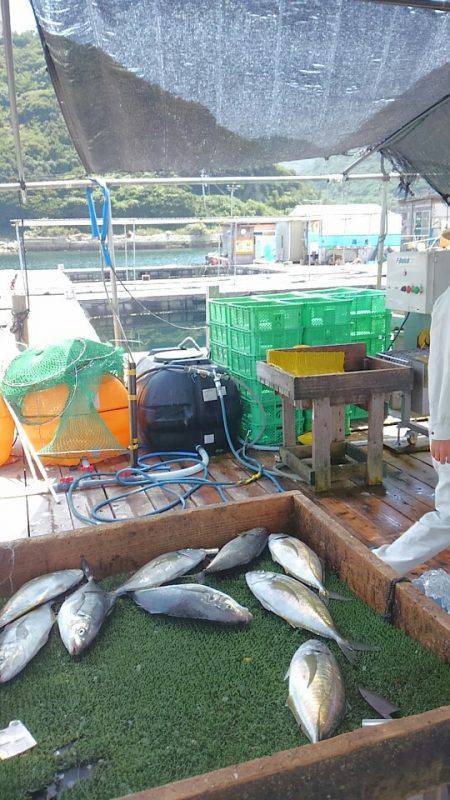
[{"x": 158, "y": 699}]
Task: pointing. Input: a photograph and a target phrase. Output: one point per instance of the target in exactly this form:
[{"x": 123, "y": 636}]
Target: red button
[{"x": 409, "y": 289}]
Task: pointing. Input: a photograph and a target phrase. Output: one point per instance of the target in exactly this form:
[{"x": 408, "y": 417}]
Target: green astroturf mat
[{"x": 158, "y": 699}]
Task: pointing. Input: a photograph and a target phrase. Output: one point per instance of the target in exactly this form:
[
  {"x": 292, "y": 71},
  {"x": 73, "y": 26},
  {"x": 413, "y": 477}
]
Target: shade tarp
[{"x": 185, "y": 85}]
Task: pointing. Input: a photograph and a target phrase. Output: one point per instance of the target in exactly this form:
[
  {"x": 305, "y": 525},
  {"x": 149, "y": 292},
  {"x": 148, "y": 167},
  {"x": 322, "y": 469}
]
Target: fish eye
[{"x": 81, "y": 631}]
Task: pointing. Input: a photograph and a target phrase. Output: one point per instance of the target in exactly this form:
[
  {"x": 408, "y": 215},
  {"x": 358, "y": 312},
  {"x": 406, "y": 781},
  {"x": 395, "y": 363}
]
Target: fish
[
  {"x": 39, "y": 591},
  {"x": 300, "y": 607},
  {"x": 237, "y": 552},
  {"x": 194, "y": 601},
  {"x": 316, "y": 690},
  {"x": 162, "y": 569},
  {"x": 298, "y": 560},
  {"x": 83, "y": 613},
  {"x": 21, "y": 639}
]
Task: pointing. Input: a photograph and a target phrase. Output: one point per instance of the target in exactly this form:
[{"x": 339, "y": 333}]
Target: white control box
[{"x": 415, "y": 280}]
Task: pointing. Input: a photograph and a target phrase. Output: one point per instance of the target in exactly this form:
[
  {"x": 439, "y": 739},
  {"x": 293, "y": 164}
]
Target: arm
[{"x": 439, "y": 379}]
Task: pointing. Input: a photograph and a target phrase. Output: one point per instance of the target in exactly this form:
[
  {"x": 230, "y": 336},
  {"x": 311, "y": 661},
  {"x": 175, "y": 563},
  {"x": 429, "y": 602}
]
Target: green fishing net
[{"x": 67, "y": 377}]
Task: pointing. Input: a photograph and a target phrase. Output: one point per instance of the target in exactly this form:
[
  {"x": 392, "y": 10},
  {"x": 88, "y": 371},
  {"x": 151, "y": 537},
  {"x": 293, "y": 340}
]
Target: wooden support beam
[
  {"x": 375, "y": 439},
  {"x": 322, "y": 435},
  {"x": 288, "y": 418}
]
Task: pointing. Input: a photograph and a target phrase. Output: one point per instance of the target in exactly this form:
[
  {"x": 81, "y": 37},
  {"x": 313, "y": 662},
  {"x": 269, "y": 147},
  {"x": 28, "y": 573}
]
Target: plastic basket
[
  {"x": 319, "y": 309},
  {"x": 219, "y": 333},
  {"x": 363, "y": 301},
  {"x": 220, "y": 354},
  {"x": 327, "y": 334},
  {"x": 252, "y": 421},
  {"x": 368, "y": 325},
  {"x": 262, "y": 317},
  {"x": 258, "y": 343}
]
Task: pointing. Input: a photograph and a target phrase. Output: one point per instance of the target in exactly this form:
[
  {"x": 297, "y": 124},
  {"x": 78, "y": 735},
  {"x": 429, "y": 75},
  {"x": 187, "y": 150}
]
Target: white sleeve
[{"x": 439, "y": 368}]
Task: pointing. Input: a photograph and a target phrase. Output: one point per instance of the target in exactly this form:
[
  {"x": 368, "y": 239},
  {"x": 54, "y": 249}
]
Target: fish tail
[
  {"x": 335, "y": 596},
  {"x": 86, "y": 569},
  {"x": 351, "y": 649}
]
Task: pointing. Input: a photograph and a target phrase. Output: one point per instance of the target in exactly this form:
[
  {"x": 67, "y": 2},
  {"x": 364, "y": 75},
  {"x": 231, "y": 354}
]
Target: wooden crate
[{"x": 383, "y": 763}]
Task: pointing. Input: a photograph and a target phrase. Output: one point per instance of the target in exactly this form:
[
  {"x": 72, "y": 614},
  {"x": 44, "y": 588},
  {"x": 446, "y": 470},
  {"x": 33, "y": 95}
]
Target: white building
[{"x": 350, "y": 229}]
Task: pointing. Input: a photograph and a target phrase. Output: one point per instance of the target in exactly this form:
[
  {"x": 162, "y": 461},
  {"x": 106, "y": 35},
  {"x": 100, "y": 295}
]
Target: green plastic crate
[
  {"x": 327, "y": 334},
  {"x": 368, "y": 325},
  {"x": 273, "y": 435},
  {"x": 258, "y": 343},
  {"x": 261, "y": 317},
  {"x": 219, "y": 333},
  {"x": 220, "y": 354},
  {"x": 319, "y": 309}
]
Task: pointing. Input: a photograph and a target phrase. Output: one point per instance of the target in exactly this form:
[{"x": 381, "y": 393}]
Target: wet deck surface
[{"x": 375, "y": 515}]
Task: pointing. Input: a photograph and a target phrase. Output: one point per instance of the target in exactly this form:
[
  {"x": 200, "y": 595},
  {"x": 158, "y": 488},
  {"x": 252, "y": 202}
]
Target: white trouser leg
[{"x": 428, "y": 537}]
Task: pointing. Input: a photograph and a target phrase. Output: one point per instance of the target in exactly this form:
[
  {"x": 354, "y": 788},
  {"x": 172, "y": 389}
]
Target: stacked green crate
[
  {"x": 370, "y": 324},
  {"x": 241, "y": 332},
  {"x": 243, "y": 329}
]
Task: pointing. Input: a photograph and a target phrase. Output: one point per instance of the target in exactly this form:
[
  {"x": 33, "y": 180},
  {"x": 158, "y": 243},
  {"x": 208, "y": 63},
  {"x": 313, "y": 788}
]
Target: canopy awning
[{"x": 189, "y": 85}]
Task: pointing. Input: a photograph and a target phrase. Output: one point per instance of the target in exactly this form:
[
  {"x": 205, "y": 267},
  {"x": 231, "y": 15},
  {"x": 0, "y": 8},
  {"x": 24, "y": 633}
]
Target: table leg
[
  {"x": 288, "y": 417},
  {"x": 375, "y": 439},
  {"x": 321, "y": 447},
  {"x": 338, "y": 423}
]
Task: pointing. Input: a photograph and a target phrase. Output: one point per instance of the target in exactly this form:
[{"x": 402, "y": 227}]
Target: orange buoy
[
  {"x": 7, "y": 428},
  {"x": 42, "y": 412}
]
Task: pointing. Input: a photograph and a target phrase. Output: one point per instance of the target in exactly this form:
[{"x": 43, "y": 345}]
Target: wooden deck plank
[{"x": 13, "y": 510}]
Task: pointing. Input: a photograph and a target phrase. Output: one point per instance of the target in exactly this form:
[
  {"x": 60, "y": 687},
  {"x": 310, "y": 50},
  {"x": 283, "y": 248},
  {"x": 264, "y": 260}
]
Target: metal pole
[
  {"x": 83, "y": 183},
  {"x": 113, "y": 279},
  {"x": 383, "y": 226},
  {"x": 132, "y": 396},
  {"x": 9, "y": 61},
  {"x": 126, "y": 251},
  {"x": 134, "y": 250}
]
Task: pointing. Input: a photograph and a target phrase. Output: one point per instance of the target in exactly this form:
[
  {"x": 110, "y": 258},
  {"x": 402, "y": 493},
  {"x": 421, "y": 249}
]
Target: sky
[{"x": 22, "y": 18}]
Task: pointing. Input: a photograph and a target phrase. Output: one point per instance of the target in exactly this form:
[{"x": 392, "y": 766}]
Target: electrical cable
[{"x": 399, "y": 330}]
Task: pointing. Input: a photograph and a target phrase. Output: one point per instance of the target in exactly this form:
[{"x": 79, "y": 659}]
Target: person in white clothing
[{"x": 431, "y": 534}]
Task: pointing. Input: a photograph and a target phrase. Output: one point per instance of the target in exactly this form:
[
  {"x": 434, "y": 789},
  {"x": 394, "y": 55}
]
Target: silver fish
[
  {"x": 316, "y": 690},
  {"x": 38, "y": 591},
  {"x": 240, "y": 550},
  {"x": 82, "y": 615},
  {"x": 194, "y": 601},
  {"x": 298, "y": 560},
  {"x": 166, "y": 567},
  {"x": 22, "y": 639},
  {"x": 299, "y": 606}
]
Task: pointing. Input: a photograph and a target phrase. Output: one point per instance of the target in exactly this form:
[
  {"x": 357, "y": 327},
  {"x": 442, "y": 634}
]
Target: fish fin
[
  {"x": 311, "y": 662},
  {"x": 287, "y": 675},
  {"x": 335, "y": 596},
  {"x": 198, "y": 577},
  {"x": 86, "y": 569}
]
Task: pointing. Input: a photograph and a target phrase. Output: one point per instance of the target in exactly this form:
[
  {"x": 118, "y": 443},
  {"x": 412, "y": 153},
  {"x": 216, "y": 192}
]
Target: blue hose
[{"x": 140, "y": 478}]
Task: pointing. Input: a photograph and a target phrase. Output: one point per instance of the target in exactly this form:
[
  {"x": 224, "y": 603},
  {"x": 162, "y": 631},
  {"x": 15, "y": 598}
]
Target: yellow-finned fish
[
  {"x": 299, "y": 606},
  {"x": 298, "y": 560},
  {"x": 316, "y": 690}
]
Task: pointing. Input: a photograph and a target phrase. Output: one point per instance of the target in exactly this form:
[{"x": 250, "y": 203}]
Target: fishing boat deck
[{"x": 375, "y": 515}]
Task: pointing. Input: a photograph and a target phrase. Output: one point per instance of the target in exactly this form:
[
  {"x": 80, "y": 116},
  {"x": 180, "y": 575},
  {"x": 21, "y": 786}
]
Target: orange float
[
  {"x": 7, "y": 428},
  {"x": 42, "y": 412}
]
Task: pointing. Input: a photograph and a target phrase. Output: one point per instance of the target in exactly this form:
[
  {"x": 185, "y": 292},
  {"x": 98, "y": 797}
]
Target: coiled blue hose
[{"x": 142, "y": 477}]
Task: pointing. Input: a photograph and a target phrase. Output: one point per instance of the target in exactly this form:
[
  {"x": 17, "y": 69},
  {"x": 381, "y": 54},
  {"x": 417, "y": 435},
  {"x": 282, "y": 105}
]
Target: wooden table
[{"x": 366, "y": 381}]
